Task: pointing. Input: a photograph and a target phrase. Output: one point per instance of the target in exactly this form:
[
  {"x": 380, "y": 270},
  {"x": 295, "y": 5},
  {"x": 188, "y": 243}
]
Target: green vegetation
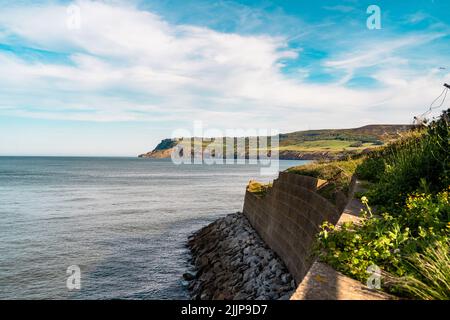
[
  {"x": 408, "y": 240},
  {"x": 392, "y": 242},
  {"x": 418, "y": 160},
  {"x": 337, "y": 173},
  {"x": 340, "y": 141},
  {"x": 327, "y": 145},
  {"x": 166, "y": 144},
  {"x": 318, "y": 144},
  {"x": 306, "y": 146},
  {"x": 327, "y": 170},
  {"x": 374, "y": 134},
  {"x": 257, "y": 188}
]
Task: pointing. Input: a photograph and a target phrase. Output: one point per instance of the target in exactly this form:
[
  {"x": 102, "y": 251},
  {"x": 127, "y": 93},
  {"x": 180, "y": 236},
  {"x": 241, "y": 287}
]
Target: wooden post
[{"x": 447, "y": 85}]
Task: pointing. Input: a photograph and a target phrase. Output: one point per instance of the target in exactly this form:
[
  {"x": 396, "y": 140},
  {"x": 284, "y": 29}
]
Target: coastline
[
  {"x": 264, "y": 252},
  {"x": 283, "y": 155}
]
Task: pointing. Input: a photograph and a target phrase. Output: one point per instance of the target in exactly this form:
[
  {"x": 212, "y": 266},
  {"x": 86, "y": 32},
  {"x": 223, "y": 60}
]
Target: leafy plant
[
  {"x": 393, "y": 242},
  {"x": 371, "y": 169},
  {"x": 409, "y": 241},
  {"x": 418, "y": 160},
  {"x": 432, "y": 273}
]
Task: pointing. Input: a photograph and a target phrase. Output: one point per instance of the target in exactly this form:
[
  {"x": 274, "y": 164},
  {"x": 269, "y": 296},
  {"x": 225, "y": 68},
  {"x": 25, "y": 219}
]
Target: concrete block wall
[{"x": 289, "y": 216}]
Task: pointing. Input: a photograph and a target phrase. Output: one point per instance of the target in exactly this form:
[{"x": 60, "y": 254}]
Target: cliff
[{"x": 162, "y": 151}]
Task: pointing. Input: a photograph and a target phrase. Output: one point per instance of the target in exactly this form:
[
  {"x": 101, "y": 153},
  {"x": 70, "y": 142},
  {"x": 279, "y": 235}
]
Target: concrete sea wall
[
  {"x": 267, "y": 251},
  {"x": 289, "y": 217}
]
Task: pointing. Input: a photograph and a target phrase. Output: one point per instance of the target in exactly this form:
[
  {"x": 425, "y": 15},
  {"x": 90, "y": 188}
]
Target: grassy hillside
[
  {"x": 367, "y": 134},
  {"x": 313, "y": 144}
]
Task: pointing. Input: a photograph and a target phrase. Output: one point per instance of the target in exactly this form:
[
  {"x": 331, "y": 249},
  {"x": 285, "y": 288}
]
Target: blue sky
[{"x": 132, "y": 72}]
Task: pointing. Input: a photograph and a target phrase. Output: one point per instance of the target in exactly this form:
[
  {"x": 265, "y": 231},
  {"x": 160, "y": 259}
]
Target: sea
[{"x": 119, "y": 225}]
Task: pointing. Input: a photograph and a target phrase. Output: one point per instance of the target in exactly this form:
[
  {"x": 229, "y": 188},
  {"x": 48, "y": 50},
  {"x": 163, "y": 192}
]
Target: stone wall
[
  {"x": 289, "y": 216},
  {"x": 231, "y": 261}
]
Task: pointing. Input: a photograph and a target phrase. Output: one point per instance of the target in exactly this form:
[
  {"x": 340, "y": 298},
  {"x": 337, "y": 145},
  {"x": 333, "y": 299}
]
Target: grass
[
  {"x": 337, "y": 173},
  {"x": 368, "y": 134},
  {"x": 433, "y": 270},
  {"x": 326, "y": 170},
  {"x": 305, "y": 146},
  {"x": 417, "y": 161},
  {"x": 326, "y": 145},
  {"x": 332, "y": 141}
]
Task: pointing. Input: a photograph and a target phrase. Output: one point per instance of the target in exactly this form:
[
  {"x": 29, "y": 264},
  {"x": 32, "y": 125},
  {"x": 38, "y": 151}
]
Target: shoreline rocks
[{"x": 231, "y": 261}]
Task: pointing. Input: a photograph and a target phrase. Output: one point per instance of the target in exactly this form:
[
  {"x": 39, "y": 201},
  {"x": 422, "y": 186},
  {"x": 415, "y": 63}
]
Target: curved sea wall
[
  {"x": 288, "y": 218},
  {"x": 264, "y": 252}
]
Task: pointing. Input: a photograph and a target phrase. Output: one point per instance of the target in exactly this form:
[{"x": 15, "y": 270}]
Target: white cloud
[
  {"x": 376, "y": 53},
  {"x": 131, "y": 65}
]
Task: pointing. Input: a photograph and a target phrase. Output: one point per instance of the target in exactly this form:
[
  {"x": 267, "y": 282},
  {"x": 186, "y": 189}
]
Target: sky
[{"x": 113, "y": 78}]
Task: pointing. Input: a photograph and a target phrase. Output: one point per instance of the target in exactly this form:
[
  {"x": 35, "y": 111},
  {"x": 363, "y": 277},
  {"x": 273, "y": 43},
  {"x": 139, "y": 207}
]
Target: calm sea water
[{"x": 123, "y": 221}]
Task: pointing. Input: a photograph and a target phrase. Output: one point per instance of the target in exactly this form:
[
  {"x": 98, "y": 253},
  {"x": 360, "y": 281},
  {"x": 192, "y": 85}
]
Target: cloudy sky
[{"x": 115, "y": 77}]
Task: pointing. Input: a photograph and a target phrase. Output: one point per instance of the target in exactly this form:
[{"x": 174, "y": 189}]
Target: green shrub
[
  {"x": 370, "y": 169},
  {"x": 337, "y": 173},
  {"x": 418, "y": 160},
  {"x": 410, "y": 240},
  {"x": 356, "y": 144},
  {"x": 390, "y": 241},
  {"x": 259, "y": 189},
  {"x": 378, "y": 143}
]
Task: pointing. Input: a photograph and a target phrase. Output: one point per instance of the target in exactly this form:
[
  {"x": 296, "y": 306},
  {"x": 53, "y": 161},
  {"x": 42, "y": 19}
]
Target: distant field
[
  {"x": 329, "y": 145},
  {"x": 326, "y": 145}
]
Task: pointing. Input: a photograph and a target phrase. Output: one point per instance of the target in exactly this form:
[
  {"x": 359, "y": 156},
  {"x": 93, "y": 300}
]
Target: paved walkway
[{"x": 352, "y": 211}]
